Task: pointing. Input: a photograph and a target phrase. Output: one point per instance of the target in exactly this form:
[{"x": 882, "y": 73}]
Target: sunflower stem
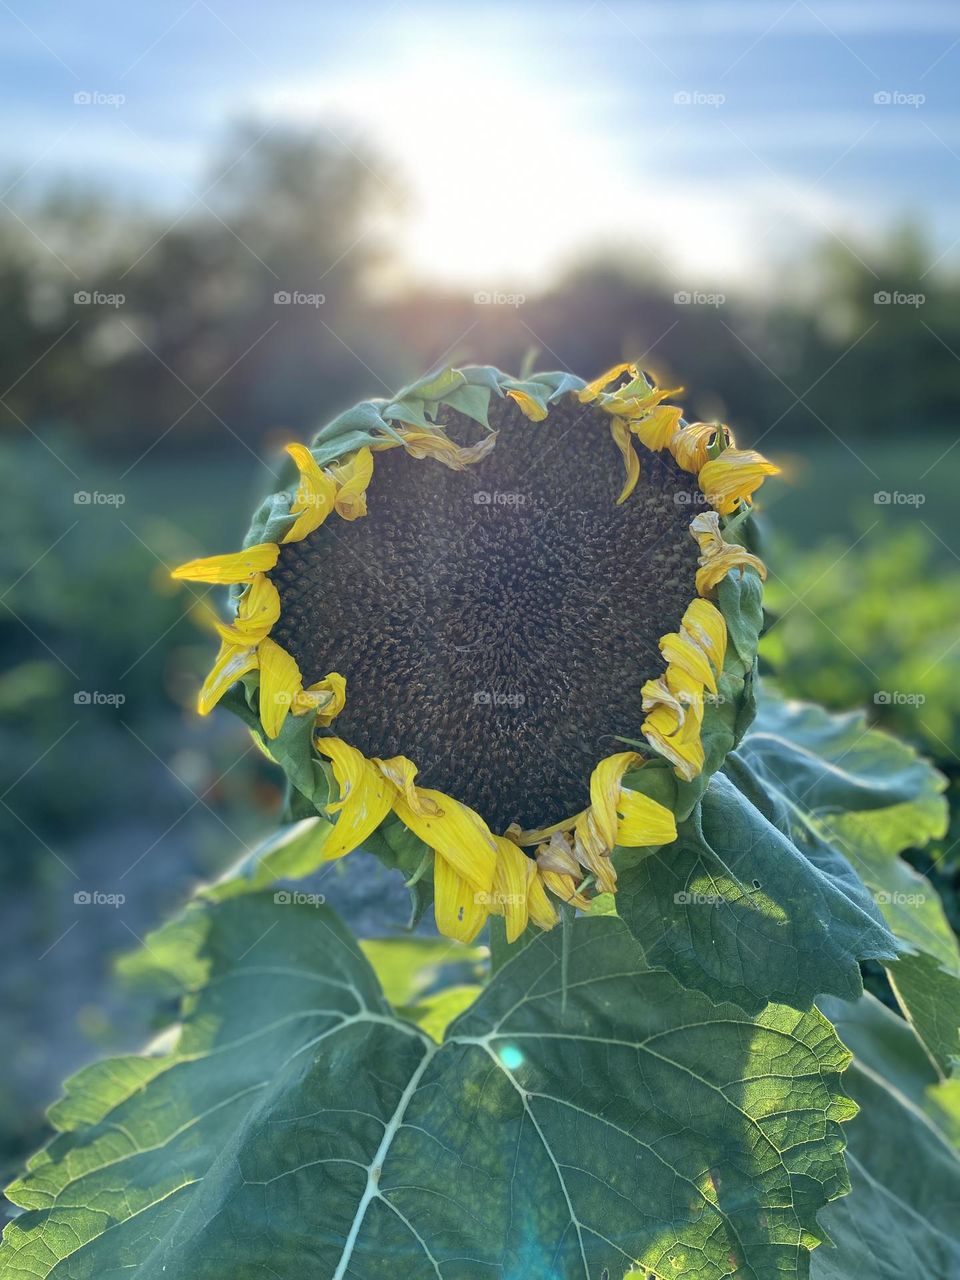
[{"x": 425, "y": 862}]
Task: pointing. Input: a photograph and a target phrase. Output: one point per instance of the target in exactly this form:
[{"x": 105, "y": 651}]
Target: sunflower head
[{"x": 505, "y": 618}]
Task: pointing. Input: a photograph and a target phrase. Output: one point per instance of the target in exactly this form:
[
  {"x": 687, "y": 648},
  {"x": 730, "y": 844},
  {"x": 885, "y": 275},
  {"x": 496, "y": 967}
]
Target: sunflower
[{"x": 490, "y": 613}]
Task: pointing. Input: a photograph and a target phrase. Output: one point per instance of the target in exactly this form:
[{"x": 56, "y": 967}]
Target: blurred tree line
[{"x": 200, "y": 343}]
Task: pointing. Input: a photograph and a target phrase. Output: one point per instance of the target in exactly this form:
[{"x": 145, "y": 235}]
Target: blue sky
[{"x": 781, "y": 140}]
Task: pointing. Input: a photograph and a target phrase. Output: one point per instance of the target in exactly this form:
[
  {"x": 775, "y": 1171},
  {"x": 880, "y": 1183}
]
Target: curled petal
[
  {"x": 733, "y": 477},
  {"x": 598, "y": 385},
  {"x": 644, "y": 821},
  {"x": 705, "y": 623},
  {"x": 279, "y": 684},
  {"x": 326, "y": 698},
  {"x": 657, "y": 429},
  {"x": 430, "y": 444},
  {"x": 510, "y": 883},
  {"x": 315, "y": 497},
  {"x": 605, "y": 793},
  {"x": 233, "y": 662},
  {"x": 678, "y": 741},
  {"x": 353, "y": 477},
  {"x": 620, "y": 430},
  {"x": 555, "y": 856},
  {"x": 541, "y": 910},
  {"x": 718, "y": 558},
  {"x": 564, "y": 888},
  {"x": 365, "y": 797},
  {"x": 682, "y": 650},
  {"x": 693, "y": 445},
  {"x": 530, "y": 407},
  {"x": 401, "y": 772},
  {"x": 258, "y": 610},
  {"x": 460, "y": 908},
  {"x": 238, "y": 566},
  {"x": 454, "y": 832}
]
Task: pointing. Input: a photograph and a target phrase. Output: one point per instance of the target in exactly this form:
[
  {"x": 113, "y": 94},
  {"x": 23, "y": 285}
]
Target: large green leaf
[
  {"x": 842, "y": 786},
  {"x": 735, "y": 909},
  {"x": 299, "y": 1128},
  {"x": 902, "y": 1220}
]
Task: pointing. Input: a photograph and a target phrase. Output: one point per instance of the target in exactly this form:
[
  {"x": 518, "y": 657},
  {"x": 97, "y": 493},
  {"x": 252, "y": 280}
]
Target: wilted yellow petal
[
  {"x": 258, "y": 610},
  {"x": 353, "y": 477},
  {"x": 529, "y": 406},
  {"x": 718, "y": 558},
  {"x": 279, "y": 684},
  {"x": 510, "y": 881},
  {"x": 401, "y": 772},
  {"x": 238, "y": 566},
  {"x": 326, "y": 698},
  {"x": 657, "y": 429},
  {"x": 233, "y": 662},
  {"x": 681, "y": 745},
  {"x": 541, "y": 910},
  {"x": 460, "y": 908},
  {"x": 605, "y": 792},
  {"x": 680, "y": 649},
  {"x": 704, "y": 622},
  {"x": 365, "y": 797},
  {"x": 456, "y": 833},
  {"x": 733, "y": 477},
  {"x": 624, "y": 442},
  {"x": 430, "y": 444},
  {"x": 644, "y": 821},
  {"x": 691, "y": 445},
  {"x": 315, "y": 497},
  {"x": 564, "y": 888},
  {"x": 593, "y": 389}
]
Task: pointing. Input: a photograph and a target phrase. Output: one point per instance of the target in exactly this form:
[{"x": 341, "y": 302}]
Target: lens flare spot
[{"x": 511, "y": 1057}]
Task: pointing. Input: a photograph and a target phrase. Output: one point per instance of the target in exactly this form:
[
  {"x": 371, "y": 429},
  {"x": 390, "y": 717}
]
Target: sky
[{"x": 716, "y": 137}]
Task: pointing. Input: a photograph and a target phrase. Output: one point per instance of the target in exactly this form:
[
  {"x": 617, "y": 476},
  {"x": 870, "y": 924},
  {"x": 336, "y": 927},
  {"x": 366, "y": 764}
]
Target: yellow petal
[
  {"x": 365, "y": 797},
  {"x": 258, "y": 610},
  {"x": 658, "y": 428},
  {"x": 460, "y": 908},
  {"x": 233, "y": 662},
  {"x": 605, "y": 792},
  {"x": 555, "y": 856},
  {"x": 592, "y": 851},
  {"x": 733, "y": 477},
  {"x": 456, "y": 833},
  {"x": 692, "y": 445},
  {"x": 564, "y": 888},
  {"x": 238, "y": 566},
  {"x": 315, "y": 497},
  {"x": 326, "y": 698},
  {"x": 279, "y": 684},
  {"x": 681, "y": 745},
  {"x": 621, "y": 435},
  {"x": 593, "y": 389},
  {"x": 402, "y": 772},
  {"x": 704, "y": 622},
  {"x": 430, "y": 444},
  {"x": 530, "y": 407},
  {"x": 718, "y": 558},
  {"x": 644, "y": 821},
  {"x": 541, "y": 910},
  {"x": 510, "y": 887},
  {"x": 353, "y": 477},
  {"x": 681, "y": 649}
]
